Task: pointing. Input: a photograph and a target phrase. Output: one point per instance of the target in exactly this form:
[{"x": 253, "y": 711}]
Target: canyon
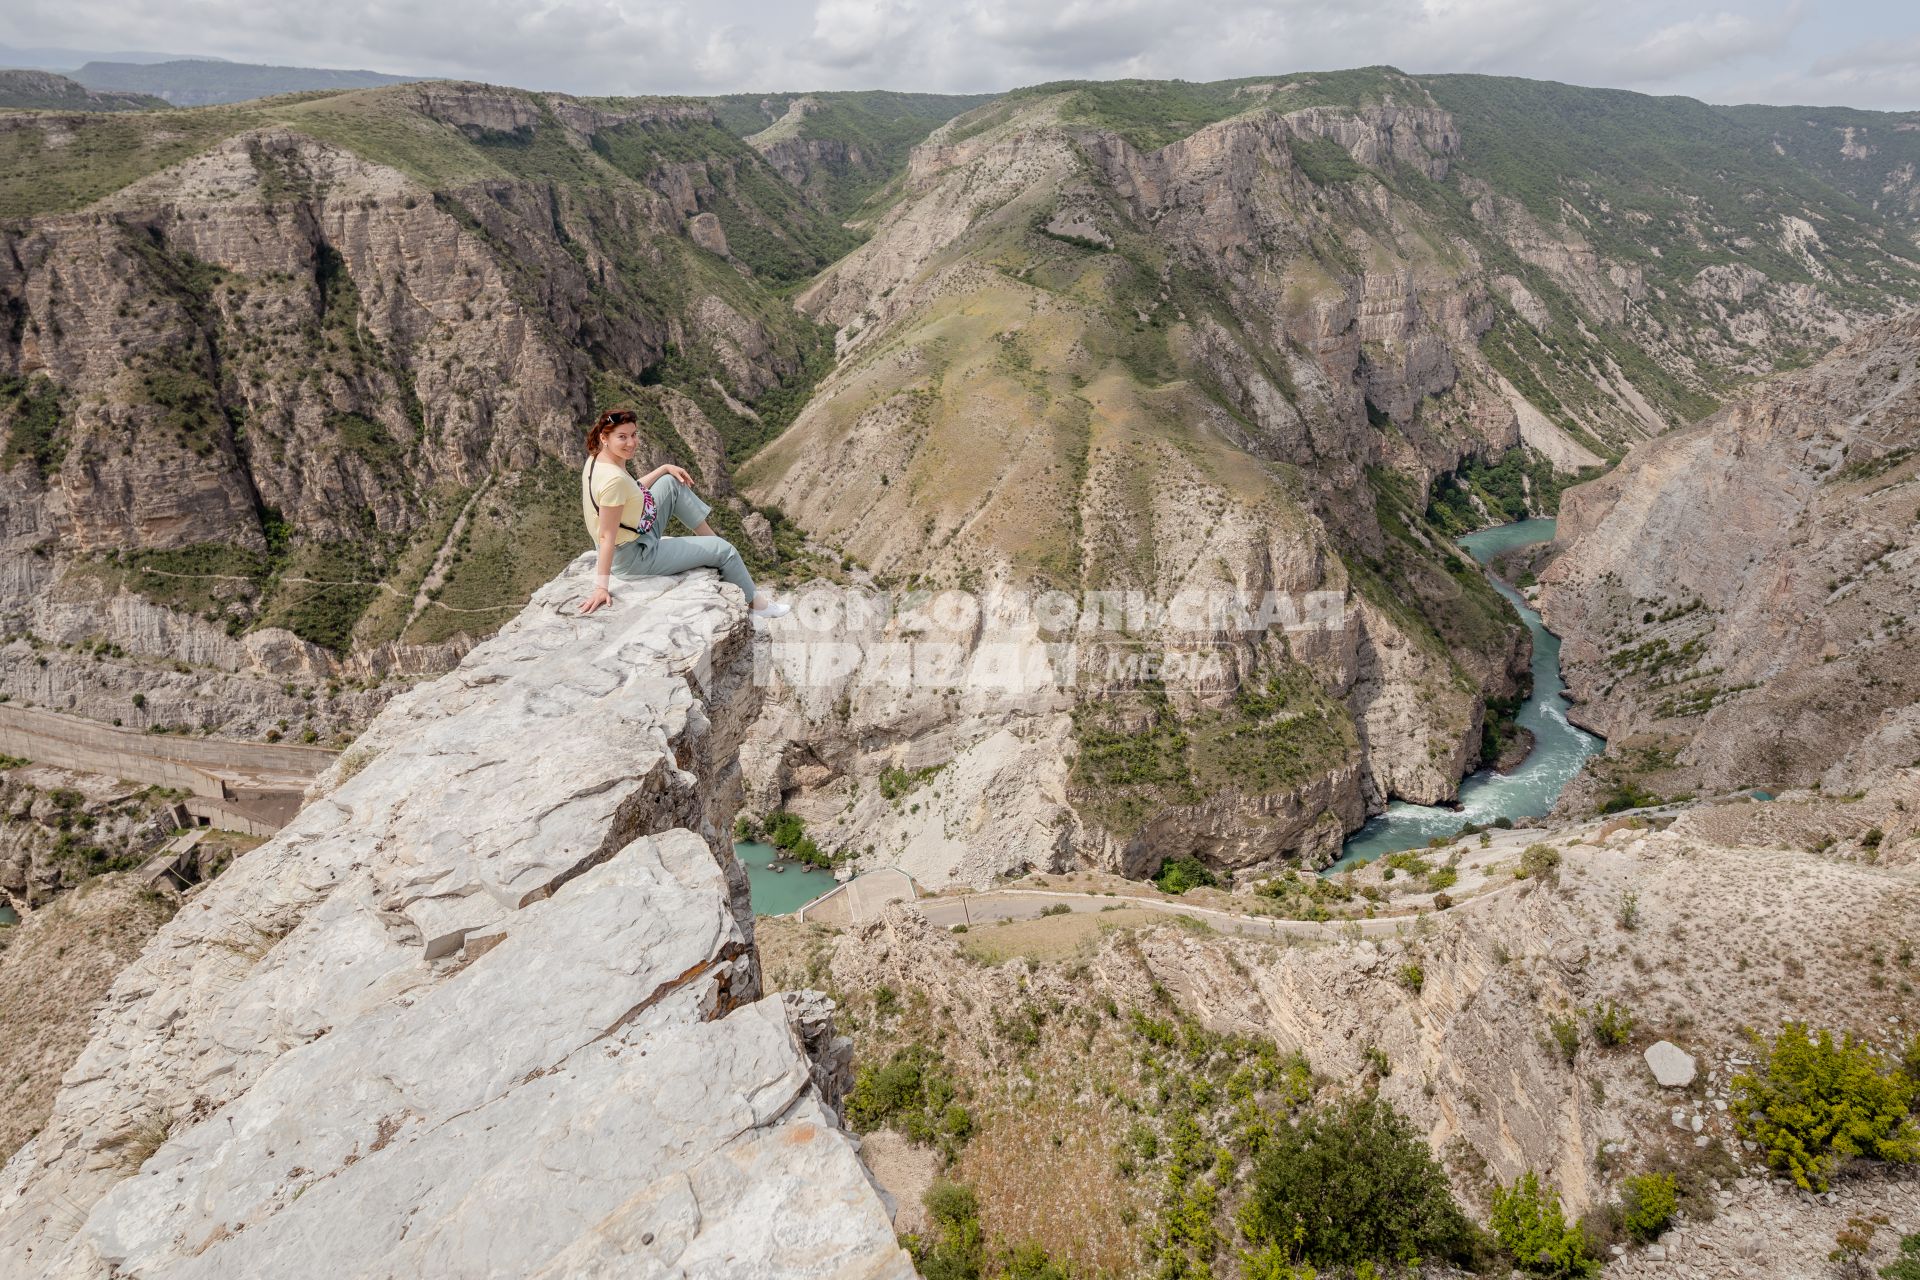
[
  {"x": 290, "y": 401},
  {"x": 1095, "y": 337}
]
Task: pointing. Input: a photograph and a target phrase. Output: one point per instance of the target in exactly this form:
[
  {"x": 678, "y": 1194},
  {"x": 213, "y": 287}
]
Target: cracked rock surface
[{"x": 487, "y": 1007}]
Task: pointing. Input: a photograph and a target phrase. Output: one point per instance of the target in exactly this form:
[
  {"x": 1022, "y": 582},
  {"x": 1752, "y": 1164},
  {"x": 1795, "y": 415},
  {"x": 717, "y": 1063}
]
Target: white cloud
[
  {"x": 1696, "y": 44},
  {"x": 666, "y": 46}
]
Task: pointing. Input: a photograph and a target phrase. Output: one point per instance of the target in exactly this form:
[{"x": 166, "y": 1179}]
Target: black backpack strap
[{"x": 586, "y": 483}]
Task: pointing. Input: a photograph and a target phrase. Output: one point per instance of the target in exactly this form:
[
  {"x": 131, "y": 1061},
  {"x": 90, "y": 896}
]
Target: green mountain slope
[{"x": 1874, "y": 156}]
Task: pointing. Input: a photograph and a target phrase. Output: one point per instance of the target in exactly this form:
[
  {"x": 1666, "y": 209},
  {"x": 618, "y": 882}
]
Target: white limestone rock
[
  {"x": 1671, "y": 1065},
  {"x": 486, "y": 1007}
]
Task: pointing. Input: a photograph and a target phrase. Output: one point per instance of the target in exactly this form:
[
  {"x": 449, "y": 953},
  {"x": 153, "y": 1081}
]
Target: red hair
[{"x": 607, "y": 421}]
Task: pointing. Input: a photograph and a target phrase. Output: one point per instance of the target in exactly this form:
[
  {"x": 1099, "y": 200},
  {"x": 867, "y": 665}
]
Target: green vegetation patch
[
  {"x": 1177, "y": 875},
  {"x": 1132, "y": 759},
  {"x": 1533, "y": 1230},
  {"x": 913, "y": 1092},
  {"x": 37, "y": 428},
  {"x": 1274, "y": 735},
  {"x": 786, "y": 832},
  {"x": 954, "y": 1245},
  {"x": 520, "y": 535},
  {"x": 1813, "y": 1104},
  {"x": 1673, "y": 175},
  {"x": 1150, "y": 114},
  {"x": 1518, "y": 485},
  {"x": 196, "y": 579},
  {"x": 1324, "y": 161},
  {"x": 1308, "y": 897},
  {"x": 1648, "y": 1202},
  {"x": 99, "y": 155},
  {"x": 1350, "y": 1184},
  {"x": 320, "y": 592}
]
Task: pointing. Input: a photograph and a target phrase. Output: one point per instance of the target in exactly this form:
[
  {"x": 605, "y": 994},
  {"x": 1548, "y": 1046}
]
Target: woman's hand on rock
[{"x": 599, "y": 597}]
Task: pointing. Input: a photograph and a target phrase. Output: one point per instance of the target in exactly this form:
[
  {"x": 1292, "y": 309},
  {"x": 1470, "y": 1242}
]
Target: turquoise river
[
  {"x": 1529, "y": 791},
  {"x": 1559, "y": 748}
]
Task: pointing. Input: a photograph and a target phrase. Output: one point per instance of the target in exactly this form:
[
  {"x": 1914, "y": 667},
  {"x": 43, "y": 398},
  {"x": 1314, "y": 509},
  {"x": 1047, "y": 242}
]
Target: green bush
[
  {"x": 1611, "y": 1024},
  {"x": 956, "y": 1247},
  {"x": 1814, "y": 1104},
  {"x": 912, "y": 1093},
  {"x": 787, "y": 833},
  {"x": 895, "y": 782},
  {"x": 1348, "y": 1184},
  {"x": 1566, "y": 1035},
  {"x": 1413, "y": 977},
  {"x": 1177, "y": 875},
  {"x": 1530, "y": 1225},
  {"x": 1907, "y": 1265},
  {"x": 1628, "y": 916},
  {"x": 1537, "y": 861},
  {"x": 1648, "y": 1201}
]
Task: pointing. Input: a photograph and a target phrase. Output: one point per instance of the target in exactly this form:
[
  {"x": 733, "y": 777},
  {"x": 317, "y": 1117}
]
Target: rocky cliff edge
[{"x": 488, "y": 1006}]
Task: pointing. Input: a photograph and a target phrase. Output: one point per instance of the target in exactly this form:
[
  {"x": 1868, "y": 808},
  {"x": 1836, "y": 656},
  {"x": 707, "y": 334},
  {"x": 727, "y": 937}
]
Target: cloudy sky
[{"x": 1862, "y": 53}]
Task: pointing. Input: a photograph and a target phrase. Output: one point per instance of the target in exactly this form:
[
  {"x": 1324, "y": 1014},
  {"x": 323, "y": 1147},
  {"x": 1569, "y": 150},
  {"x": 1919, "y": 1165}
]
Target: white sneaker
[{"x": 774, "y": 609}]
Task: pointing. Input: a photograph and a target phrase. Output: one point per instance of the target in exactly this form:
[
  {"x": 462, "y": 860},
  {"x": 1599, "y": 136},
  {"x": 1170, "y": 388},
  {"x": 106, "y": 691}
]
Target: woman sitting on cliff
[{"x": 626, "y": 518}]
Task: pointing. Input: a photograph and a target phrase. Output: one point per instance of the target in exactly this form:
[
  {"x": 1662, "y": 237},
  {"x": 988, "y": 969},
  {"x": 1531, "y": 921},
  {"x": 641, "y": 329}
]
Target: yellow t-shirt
[{"x": 612, "y": 487}]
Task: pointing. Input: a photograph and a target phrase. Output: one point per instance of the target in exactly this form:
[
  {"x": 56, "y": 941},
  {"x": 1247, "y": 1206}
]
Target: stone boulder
[
  {"x": 705, "y": 230},
  {"x": 1671, "y": 1065},
  {"x": 759, "y": 534}
]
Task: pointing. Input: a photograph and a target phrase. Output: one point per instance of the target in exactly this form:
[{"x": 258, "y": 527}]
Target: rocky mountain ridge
[
  {"x": 353, "y": 338},
  {"x": 1086, "y": 349},
  {"x": 1735, "y": 597},
  {"x": 29, "y": 90}
]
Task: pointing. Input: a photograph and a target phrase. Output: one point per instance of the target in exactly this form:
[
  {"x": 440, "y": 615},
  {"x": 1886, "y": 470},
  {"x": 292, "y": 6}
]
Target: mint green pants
[{"x": 652, "y": 556}]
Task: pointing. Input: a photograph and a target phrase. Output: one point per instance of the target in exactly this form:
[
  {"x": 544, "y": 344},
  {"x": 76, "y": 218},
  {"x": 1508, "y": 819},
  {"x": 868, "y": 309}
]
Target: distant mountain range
[
  {"x": 32, "y": 90},
  {"x": 200, "y": 82},
  {"x": 63, "y": 60}
]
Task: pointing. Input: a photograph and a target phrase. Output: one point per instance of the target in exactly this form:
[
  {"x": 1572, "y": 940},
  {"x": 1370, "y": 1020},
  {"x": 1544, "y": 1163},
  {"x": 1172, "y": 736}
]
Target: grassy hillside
[
  {"x": 1684, "y": 185},
  {"x": 1150, "y": 114}
]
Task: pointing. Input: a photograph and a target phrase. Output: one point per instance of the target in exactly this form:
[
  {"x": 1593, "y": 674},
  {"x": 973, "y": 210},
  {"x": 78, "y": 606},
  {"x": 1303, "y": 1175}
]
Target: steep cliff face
[
  {"x": 314, "y": 387},
  {"x": 1070, "y": 363},
  {"x": 1737, "y": 596},
  {"x": 488, "y": 1004},
  {"x": 1166, "y": 337}
]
